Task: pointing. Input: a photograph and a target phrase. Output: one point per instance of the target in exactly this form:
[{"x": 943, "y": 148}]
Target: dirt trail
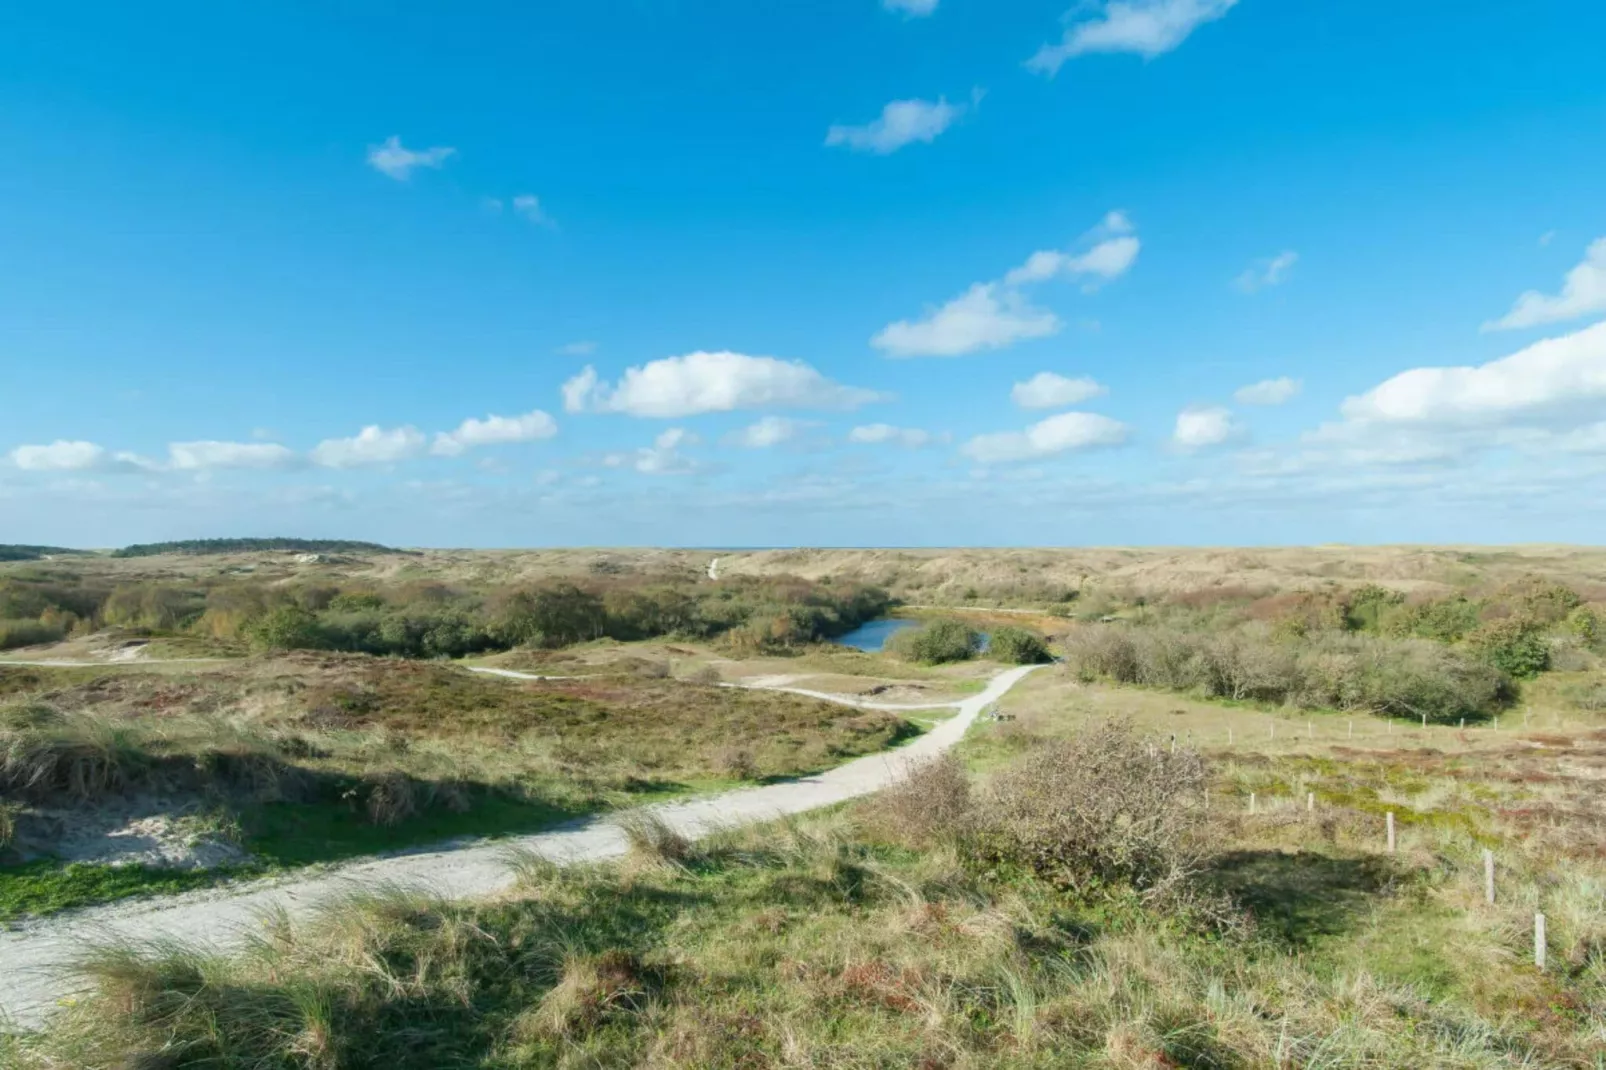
[{"x": 34, "y": 976}]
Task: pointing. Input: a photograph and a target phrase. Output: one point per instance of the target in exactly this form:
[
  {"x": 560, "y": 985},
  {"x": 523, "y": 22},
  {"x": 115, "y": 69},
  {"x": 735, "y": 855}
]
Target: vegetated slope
[
  {"x": 235, "y": 546},
  {"x": 356, "y": 740},
  {"x": 1005, "y": 923}
]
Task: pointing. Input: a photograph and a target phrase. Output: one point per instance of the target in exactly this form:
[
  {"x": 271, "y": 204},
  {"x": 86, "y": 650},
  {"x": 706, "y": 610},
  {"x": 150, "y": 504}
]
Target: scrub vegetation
[{"x": 957, "y": 920}]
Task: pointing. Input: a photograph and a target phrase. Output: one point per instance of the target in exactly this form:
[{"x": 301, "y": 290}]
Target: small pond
[{"x": 872, "y": 636}]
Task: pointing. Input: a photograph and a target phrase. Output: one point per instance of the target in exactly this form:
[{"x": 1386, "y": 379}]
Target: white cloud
[
  {"x": 711, "y": 382},
  {"x": 528, "y": 205},
  {"x": 915, "y": 9},
  {"x": 59, "y": 456},
  {"x": 662, "y": 458},
  {"x": 494, "y": 431},
  {"x": 993, "y": 315},
  {"x": 1546, "y": 238},
  {"x": 1046, "y": 390},
  {"x": 1058, "y": 434},
  {"x": 372, "y": 445},
  {"x": 1147, "y": 28},
  {"x": 770, "y": 431},
  {"x": 1268, "y": 392},
  {"x": 1583, "y": 293},
  {"x": 987, "y": 316},
  {"x": 577, "y": 349},
  {"x": 200, "y": 456},
  {"x": 1201, "y": 427},
  {"x": 397, "y": 162},
  {"x": 1272, "y": 271},
  {"x": 876, "y": 434},
  {"x": 902, "y": 122},
  {"x": 1549, "y": 379}
]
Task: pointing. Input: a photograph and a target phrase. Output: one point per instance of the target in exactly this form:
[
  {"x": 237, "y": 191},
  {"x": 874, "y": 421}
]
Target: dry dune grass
[{"x": 943, "y": 575}]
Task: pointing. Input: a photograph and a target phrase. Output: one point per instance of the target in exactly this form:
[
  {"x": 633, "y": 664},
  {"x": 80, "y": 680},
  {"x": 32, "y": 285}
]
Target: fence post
[
  {"x": 1251, "y": 802},
  {"x": 1539, "y": 942},
  {"x": 1488, "y": 876},
  {"x": 1463, "y": 724},
  {"x": 1310, "y": 802},
  {"x": 1391, "y": 831},
  {"x": 1352, "y": 728},
  {"x": 1424, "y": 720}
]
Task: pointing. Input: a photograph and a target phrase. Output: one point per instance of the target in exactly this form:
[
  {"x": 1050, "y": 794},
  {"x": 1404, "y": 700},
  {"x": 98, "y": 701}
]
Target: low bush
[
  {"x": 1108, "y": 807},
  {"x": 1401, "y": 677},
  {"x": 1515, "y": 647},
  {"x": 936, "y": 643},
  {"x": 21, "y": 633},
  {"x": 929, "y": 805},
  {"x": 1018, "y": 646}
]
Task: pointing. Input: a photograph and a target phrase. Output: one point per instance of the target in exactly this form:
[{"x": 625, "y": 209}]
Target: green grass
[{"x": 35, "y": 889}]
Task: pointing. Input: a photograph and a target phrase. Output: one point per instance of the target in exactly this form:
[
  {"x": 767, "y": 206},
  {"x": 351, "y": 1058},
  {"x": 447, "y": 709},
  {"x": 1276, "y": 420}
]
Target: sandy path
[{"x": 33, "y": 977}]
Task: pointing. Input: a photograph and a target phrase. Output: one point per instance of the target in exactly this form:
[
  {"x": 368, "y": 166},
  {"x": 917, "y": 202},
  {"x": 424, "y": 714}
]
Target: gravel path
[{"x": 33, "y": 976}]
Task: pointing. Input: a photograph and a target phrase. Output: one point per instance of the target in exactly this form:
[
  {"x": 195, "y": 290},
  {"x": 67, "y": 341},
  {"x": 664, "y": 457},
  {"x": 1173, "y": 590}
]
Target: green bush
[
  {"x": 1400, "y": 677},
  {"x": 939, "y": 642},
  {"x": 288, "y": 628},
  {"x": 20, "y": 633},
  {"x": 1515, "y": 647},
  {"x": 1019, "y": 646}
]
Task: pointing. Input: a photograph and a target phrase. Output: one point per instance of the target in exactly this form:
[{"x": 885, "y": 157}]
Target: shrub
[
  {"x": 1402, "y": 677},
  {"x": 1019, "y": 646},
  {"x": 287, "y": 628},
  {"x": 1108, "y": 807},
  {"x": 1516, "y": 647},
  {"x": 20, "y": 633},
  {"x": 940, "y": 641},
  {"x": 1585, "y": 623},
  {"x": 930, "y": 804}
]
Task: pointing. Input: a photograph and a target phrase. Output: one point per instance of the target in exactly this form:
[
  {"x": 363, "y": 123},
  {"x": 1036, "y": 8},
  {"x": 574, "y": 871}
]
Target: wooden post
[
  {"x": 1352, "y": 728},
  {"x": 1272, "y": 729},
  {"x": 1539, "y": 942},
  {"x": 1463, "y": 724},
  {"x": 1310, "y": 802},
  {"x": 1497, "y": 722},
  {"x": 1173, "y": 744},
  {"x": 1424, "y": 720},
  {"x": 1251, "y": 802},
  {"x": 1488, "y": 877},
  {"x": 1391, "y": 831}
]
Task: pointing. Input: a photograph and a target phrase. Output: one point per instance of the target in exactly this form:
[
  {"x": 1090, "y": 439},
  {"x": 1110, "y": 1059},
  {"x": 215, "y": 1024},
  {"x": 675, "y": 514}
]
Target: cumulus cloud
[
  {"x": 877, "y": 434},
  {"x": 914, "y": 9},
  {"x": 396, "y": 161},
  {"x": 901, "y": 123},
  {"x": 1064, "y": 433},
  {"x": 1549, "y": 381},
  {"x": 494, "y": 431},
  {"x": 1046, "y": 390},
  {"x": 1583, "y": 293},
  {"x": 1272, "y": 271},
  {"x": 372, "y": 445},
  {"x": 60, "y": 456},
  {"x": 202, "y": 456},
  {"x": 711, "y": 382},
  {"x": 1268, "y": 392},
  {"x": 770, "y": 431},
  {"x": 662, "y": 458},
  {"x": 993, "y": 315},
  {"x": 1201, "y": 427},
  {"x": 986, "y": 316},
  {"x": 1147, "y": 28}
]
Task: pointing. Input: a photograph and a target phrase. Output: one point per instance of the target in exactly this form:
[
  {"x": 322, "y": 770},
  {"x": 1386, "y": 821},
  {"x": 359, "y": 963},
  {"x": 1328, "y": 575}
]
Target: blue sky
[{"x": 843, "y": 272}]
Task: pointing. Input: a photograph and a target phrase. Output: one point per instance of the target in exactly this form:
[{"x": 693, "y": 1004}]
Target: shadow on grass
[{"x": 1300, "y": 898}]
